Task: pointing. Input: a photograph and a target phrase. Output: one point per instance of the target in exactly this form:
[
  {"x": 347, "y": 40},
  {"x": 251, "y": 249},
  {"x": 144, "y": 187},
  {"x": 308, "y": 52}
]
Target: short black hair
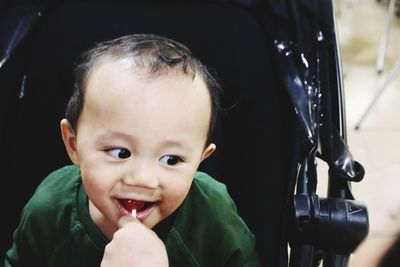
[{"x": 154, "y": 54}]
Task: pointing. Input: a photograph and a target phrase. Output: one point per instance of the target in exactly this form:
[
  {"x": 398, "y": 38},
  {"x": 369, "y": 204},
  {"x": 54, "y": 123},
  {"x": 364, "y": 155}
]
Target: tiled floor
[{"x": 376, "y": 144}]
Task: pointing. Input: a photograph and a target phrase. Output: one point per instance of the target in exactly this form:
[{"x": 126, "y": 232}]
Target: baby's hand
[{"x": 134, "y": 245}]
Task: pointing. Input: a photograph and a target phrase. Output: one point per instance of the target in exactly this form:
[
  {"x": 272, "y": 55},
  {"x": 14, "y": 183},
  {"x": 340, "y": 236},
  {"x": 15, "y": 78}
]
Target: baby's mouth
[{"x": 141, "y": 207}]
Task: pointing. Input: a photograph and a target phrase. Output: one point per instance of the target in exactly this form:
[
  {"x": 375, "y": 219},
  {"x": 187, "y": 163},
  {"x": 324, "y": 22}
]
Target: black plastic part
[{"x": 330, "y": 223}]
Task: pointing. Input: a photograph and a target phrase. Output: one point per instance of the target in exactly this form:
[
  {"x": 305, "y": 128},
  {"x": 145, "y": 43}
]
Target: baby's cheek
[
  {"x": 176, "y": 194},
  {"x": 95, "y": 180}
]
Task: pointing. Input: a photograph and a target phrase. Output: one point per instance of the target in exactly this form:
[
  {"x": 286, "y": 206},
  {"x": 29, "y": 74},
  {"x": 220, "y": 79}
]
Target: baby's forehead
[
  {"x": 113, "y": 90},
  {"x": 124, "y": 72},
  {"x": 142, "y": 68}
]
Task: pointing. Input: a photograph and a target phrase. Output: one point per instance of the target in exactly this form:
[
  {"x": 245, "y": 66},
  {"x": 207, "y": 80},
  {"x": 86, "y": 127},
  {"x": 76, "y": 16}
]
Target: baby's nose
[{"x": 141, "y": 174}]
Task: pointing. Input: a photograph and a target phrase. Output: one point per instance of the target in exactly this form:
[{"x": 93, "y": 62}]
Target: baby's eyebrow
[
  {"x": 176, "y": 143},
  {"x": 180, "y": 144},
  {"x": 116, "y": 134}
]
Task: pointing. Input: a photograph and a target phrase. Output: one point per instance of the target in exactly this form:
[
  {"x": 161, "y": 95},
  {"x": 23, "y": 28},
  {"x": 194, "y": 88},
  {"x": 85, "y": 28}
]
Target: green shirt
[{"x": 57, "y": 230}]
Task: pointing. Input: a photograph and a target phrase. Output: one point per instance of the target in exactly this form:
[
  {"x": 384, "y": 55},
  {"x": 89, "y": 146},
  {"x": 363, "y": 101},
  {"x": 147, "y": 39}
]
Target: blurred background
[{"x": 362, "y": 25}]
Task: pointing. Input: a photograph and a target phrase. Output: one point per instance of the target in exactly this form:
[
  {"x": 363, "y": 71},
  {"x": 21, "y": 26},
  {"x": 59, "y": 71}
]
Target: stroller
[{"x": 279, "y": 64}]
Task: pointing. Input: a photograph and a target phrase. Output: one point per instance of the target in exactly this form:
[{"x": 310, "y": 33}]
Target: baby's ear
[
  {"x": 69, "y": 138},
  {"x": 208, "y": 151}
]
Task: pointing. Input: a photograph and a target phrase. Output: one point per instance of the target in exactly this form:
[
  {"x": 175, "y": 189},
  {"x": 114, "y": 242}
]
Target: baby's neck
[{"x": 106, "y": 227}]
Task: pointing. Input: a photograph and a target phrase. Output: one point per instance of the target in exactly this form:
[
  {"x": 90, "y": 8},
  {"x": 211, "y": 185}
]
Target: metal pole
[
  {"x": 391, "y": 77},
  {"x": 380, "y": 63}
]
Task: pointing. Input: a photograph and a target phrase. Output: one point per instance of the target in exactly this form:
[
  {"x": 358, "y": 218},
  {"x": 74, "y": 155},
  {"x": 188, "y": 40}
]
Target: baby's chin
[{"x": 155, "y": 218}]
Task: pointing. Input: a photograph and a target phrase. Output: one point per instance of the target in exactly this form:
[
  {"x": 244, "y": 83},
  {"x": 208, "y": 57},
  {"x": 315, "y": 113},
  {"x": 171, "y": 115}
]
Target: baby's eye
[
  {"x": 119, "y": 153},
  {"x": 170, "y": 159}
]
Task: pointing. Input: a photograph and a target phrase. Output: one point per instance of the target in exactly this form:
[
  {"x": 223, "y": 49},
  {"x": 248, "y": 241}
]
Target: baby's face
[{"x": 139, "y": 142}]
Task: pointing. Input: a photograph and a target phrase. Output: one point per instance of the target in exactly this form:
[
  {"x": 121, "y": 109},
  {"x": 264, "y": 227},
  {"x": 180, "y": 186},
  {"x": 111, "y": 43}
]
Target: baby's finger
[{"x": 124, "y": 220}]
